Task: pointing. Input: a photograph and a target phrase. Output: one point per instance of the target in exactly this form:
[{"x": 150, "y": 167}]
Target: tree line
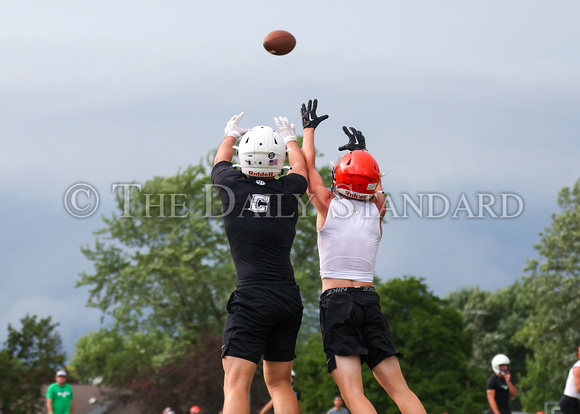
[{"x": 165, "y": 282}]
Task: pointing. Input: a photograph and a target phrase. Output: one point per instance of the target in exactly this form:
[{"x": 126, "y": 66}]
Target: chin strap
[{"x": 333, "y": 184}]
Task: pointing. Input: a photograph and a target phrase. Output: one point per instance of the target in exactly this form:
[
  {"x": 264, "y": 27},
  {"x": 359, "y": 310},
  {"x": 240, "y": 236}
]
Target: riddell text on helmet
[
  {"x": 356, "y": 196},
  {"x": 260, "y": 174}
]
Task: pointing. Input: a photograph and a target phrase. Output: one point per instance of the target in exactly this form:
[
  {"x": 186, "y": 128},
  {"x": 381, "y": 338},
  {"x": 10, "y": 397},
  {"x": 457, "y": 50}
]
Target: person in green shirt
[{"x": 59, "y": 396}]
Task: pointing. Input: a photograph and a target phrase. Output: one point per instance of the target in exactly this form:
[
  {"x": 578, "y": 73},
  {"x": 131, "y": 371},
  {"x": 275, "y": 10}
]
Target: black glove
[
  {"x": 356, "y": 140},
  {"x": 309, "y": 117}
]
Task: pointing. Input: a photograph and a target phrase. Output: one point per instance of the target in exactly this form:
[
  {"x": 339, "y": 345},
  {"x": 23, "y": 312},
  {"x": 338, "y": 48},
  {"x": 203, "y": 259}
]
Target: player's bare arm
[
  {"x": 317, "y": 191},
  {"x": 491, "y": 401},
  {"x": 380, "y": 200},
  {"x": 295, "y": 157}
]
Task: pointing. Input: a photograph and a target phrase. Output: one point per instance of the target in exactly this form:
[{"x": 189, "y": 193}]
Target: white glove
[
  {"x": 286, "y": 129},
  {"x": 233, "y": 128}
]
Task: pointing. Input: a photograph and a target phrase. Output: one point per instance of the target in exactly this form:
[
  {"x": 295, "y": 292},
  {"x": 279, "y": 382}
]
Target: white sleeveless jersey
[
  {"x": 349, "y": 240},
  {"x": 570, "y": 389}
]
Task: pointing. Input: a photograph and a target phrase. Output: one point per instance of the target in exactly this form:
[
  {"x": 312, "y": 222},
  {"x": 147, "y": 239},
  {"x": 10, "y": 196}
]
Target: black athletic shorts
[
  {"x": 569, "y": 405},
  {"x": 352, "y": 323},
  {"x": 263, "y": 320}
]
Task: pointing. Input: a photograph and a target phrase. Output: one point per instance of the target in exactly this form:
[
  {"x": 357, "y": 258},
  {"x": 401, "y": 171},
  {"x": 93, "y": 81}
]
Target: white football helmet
[
  {"x": 499, "y": 359},
  {"x": 262, "y": 153}
]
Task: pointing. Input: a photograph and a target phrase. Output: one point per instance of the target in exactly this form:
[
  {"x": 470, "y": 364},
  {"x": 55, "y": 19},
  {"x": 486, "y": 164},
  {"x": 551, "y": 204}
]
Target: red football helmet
[{"x": 357, "y": 175}]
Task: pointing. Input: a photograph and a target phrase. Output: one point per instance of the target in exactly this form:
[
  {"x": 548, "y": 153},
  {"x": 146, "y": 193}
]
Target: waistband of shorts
[
  {"x": 267, "y": 283},
  {"x": 350, "y": 289}
]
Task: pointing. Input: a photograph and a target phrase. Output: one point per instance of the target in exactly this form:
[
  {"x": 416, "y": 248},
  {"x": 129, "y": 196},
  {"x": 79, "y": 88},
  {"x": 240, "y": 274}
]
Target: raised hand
[
  {"x": 285, "y": 129},
  {"x": 356, "y": 140},
  {"x": 309, "y": 117},
  {"x": 233, "y": 128}
]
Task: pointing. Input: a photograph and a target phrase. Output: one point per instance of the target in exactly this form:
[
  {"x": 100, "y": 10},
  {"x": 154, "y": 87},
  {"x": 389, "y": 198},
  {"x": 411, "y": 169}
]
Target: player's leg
[
  {"x": 277, "y": 376},
  {"x": 388, "y": 374},
  {"x": 348, "y": 377},
  {"x": 237, "y": 381},
  {"x": 286, "y": 305}
]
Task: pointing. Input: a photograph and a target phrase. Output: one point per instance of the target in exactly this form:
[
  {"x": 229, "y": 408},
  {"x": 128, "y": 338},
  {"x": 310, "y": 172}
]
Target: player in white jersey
[
  {"x": 349, "y": 230},
  {"x": 570, "y": 401}
]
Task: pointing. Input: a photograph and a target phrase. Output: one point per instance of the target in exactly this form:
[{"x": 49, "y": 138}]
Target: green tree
[
  {"x": 193, "y": 378},
  {"x": 430, "y": 334},
  {"x": 551, "y": 291},
  {"x": 92, "y": 355},
  {"x": 118, "y": 358},
  {"x": 493, "y": 319},
  {"x": 475, "y": 306},
  {"x": 11, "y": 378},
  {"x": 312, "y": 378},
  {"x": 162, "y": 273},
  {"x": 30, "y": 358},
  {"x": 164, "y": 263}
]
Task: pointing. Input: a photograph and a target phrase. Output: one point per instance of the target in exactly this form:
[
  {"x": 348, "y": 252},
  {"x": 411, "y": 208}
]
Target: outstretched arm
[
  {"x": 296, "y": 159},
  {"x": 225, "y": 151},
  {"x": 295, "y": 156},
  {"x": 380, "y": 199},
  {"x": 317, "y": 191}
]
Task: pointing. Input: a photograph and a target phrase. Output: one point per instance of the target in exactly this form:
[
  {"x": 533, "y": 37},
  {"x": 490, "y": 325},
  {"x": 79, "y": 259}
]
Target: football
[{"x": 279, "y": 42}]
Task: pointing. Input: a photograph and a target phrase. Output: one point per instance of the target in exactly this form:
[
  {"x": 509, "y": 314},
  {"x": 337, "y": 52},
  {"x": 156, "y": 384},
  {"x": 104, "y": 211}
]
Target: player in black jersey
[{"x": 260, "y": 214}]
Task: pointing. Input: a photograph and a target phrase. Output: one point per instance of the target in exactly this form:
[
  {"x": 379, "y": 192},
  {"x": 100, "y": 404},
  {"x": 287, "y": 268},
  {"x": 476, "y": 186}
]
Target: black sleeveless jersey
[{"x": 260, "y": 221}]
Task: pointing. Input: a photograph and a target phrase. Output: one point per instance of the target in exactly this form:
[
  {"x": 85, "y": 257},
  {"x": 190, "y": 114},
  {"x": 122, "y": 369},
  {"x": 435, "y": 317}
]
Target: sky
[{"x": 461, "y": 102}]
